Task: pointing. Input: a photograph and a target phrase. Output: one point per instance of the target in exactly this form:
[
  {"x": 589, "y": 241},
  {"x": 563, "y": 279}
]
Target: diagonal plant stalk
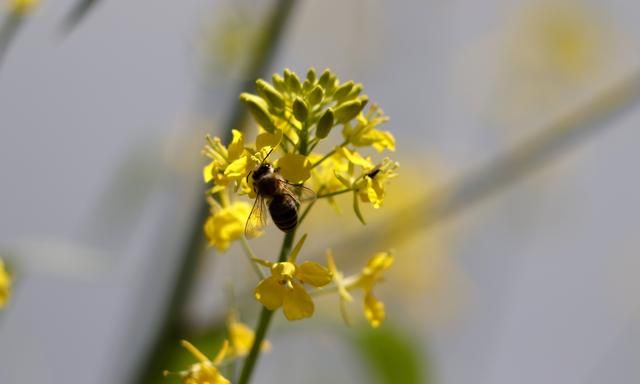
[
  {"x": 506, "y": 168},
  {"x": 263, "y": 53},
  {"x": 76, "y": 14},
  {"x": 8, "y": 29}
]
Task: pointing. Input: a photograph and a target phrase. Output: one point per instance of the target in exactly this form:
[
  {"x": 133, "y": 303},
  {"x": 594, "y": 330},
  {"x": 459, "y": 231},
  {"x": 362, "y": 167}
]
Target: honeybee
[{"x": 274, "y": 191}]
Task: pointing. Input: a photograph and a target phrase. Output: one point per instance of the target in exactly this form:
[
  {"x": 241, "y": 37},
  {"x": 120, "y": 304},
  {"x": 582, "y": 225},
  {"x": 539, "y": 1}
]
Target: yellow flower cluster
[
  {"x": 294, "y": 116},
  {"x": 5, "y": 285},
  {"x": 293, "y": 162}
]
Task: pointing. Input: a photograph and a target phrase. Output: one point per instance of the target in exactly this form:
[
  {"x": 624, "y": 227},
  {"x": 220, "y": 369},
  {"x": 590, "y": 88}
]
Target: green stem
[
  {"x": 8, "y": 29},
  {"x": 250, "y": 256},
  {"x": 340, "y": 192},
  {"x": 265, "y": 319},
  {"x": 304, "y": 139},
  {"x": 329, "y": 154}
]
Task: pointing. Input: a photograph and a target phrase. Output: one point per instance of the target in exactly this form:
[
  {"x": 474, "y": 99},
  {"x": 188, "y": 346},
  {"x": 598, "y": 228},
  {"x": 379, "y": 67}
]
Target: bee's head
[{"x": 263, "y": 169}]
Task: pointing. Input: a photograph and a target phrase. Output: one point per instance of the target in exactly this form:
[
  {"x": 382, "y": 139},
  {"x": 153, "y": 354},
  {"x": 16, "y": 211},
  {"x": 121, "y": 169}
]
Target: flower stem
[
  {"x": 250, "y": 256},
  {"x": 329, "y": 154},
  {"x": 340, "y": 192},
  {"x": 265, "y": 319}
]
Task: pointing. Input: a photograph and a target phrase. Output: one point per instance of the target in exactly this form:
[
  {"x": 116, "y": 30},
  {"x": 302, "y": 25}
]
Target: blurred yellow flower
[
  {"x": 550, "y": 55},
  {"x": 371, "y": 274},
  {"x": 5, "y": 285},
  {"x": 227, "y": 224},
  {"x": 22, "y": 7},
  {"x": 205, "y": 371},
  {"x": 241, "y": 338}
]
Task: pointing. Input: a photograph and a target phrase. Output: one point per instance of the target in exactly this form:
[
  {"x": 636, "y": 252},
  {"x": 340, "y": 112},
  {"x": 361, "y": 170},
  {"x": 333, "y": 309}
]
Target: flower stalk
[{"x": 265, "y": 319}]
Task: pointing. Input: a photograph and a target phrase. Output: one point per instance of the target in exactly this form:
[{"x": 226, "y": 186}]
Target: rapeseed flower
[
  {"x": 205, "y": 371},
  {"x": 227, "y": 224},
  {"x": 228, "y": 164},
  {"x": 285, "y": 287},
  {"x": 241, "y": 338},
  {"x": 366, "y": 280}
]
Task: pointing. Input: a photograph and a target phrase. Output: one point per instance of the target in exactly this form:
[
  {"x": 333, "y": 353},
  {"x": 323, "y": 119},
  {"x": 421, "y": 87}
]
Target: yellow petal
[
  {"x": 241, "y": 338},
  {"x": 270, "y": 293},
  {"x": 237, "y": 145},
  {"x": 313, "y": 273},
  {"x": 201, "y": 357},
  {"x": 294, "y": 167},
  {"x": 238, "y": 168},
  {"x": 373, "y": 310},
  {"x": 355, "y": 158},
  {"x": 375, "y": 193},
  {"x": 207, "y": 172},
  {"x": 266, "y": 139},
  {"x": 297, "y": 303},
  {"x": 381, "y": 261},
  {"x": 384, "y": 140}
]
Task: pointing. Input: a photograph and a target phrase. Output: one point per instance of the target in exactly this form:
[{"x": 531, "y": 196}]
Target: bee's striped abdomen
[{"x": 284, "y": 212}]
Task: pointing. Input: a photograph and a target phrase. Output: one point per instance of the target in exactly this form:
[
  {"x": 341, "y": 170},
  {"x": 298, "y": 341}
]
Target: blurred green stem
[
  {"x": 8, "y": 30},
  {"x": 265, "y": 319},
  {"x": 152, "y": 366},
  {"x": 506, "y": 168},
  {"x": 250, "y": 256}
]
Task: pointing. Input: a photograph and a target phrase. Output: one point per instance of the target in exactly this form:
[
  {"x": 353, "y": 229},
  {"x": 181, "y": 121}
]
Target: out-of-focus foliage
[{"x": 392, "y": 356}]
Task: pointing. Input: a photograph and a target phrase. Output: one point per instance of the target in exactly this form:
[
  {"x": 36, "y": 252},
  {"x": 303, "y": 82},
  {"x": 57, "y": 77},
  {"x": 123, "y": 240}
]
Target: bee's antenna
[{"x": 267, "y": 156}]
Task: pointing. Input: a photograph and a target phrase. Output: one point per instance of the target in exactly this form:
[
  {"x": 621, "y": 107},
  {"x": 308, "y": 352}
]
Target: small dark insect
[
  {"x": 374, "y": 172},
  {"x": 273, "y": 190}
]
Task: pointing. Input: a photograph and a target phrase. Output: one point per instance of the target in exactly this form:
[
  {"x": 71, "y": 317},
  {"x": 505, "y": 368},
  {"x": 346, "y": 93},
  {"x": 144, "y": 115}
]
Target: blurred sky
[{"x": 98, "y": 177}]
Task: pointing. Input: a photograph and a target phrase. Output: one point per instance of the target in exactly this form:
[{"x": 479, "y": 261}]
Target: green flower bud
[
  {"x": 278, "y": 82},
  {"x": 324, "y": 78},
  {"x": 300, "y": 110},
  {"x": 331, "y": 85},
  {"x": 343, "y": 91},
  {"x": 325, "y": 124},
  {"x": 269, "y": 93},
  {"x": 306, "y": 86},
  {"x": 259, "y": 110},
  {"x": 347, "y": 111},
  {"x": 355, "y": 91},
  {"x": 292, "y": 81},
  {"x": 316, "y": 95},
  {"x": 311, "y": 75}
]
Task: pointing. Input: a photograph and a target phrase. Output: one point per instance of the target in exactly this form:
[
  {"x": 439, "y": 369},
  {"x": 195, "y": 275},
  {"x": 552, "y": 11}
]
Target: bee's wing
[
  {"x": 302, "y": 193},
  {"x": 257, "y": 219}
]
